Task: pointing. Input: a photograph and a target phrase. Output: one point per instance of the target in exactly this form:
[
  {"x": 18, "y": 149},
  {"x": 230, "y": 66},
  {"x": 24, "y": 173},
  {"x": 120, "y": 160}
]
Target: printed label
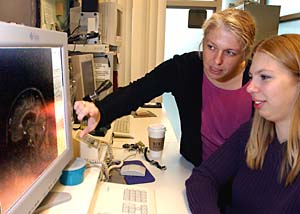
[{"x": 156, "y": 144}]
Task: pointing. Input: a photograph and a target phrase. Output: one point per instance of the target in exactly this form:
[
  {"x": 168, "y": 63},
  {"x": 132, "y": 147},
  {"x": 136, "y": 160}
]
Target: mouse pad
[{"x": 138, "y": 179}]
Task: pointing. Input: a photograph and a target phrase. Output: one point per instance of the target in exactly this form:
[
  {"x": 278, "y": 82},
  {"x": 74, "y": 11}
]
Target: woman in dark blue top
[{"x": 263, "y": 156}]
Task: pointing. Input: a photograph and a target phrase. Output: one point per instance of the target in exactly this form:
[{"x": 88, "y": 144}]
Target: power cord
[
  {"x": 104, "y": 173},
  {"x": 118, "y": 165},
  {"x": 82, "y": 38},
  {"x": 140, "y": 147},
  {"x": 153, "y": 162},
  {"x": 103, "y": 165}
]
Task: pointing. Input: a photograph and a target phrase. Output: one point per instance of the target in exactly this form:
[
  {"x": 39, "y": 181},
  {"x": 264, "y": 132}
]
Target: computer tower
[
  {"x": 266, "y": 17},
  {"x": 89, "y": 6},
  {"x": 110, "y": 23},
  {"x": 83, "y": 75}
]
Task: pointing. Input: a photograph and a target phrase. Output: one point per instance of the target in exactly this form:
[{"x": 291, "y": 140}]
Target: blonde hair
[
  {"x": 239, "y": 22},
  {"x": 285, "y": 49}
]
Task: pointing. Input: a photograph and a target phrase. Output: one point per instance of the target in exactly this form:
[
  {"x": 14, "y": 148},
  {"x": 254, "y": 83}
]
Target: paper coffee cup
[{"x": 156, "y": 134}]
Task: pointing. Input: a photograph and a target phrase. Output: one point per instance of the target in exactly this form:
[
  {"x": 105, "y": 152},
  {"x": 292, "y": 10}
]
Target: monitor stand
[{"x": 52, "y": 199}]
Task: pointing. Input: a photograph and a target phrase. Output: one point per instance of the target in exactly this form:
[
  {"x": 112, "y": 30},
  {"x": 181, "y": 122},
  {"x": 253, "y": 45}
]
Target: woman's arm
[
  {"x": 170, "y": 76},
  {"x": 203, "y": 186}
]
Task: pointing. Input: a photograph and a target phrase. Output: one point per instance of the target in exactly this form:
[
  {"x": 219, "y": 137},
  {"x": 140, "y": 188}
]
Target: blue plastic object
[{"x": 73, "y": 173}]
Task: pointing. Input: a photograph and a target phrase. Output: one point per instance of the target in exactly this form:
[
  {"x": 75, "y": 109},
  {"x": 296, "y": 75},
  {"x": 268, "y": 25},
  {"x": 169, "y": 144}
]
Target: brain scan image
[{"x": 28, "y": 123}]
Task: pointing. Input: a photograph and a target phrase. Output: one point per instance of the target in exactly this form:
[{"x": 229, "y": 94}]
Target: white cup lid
[
  {"x": 78, "y": 163},
  {"x": 156, "y": 127}
]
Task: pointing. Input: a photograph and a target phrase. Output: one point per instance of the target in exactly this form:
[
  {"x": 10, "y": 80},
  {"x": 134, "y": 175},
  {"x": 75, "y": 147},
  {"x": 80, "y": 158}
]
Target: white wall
[{"x": 144, "y": 29}]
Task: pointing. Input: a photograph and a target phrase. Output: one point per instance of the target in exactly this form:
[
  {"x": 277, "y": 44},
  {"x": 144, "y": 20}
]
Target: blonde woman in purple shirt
[
  {"x": 263, "y": 156},
  {"x": 209, "y": 87}
]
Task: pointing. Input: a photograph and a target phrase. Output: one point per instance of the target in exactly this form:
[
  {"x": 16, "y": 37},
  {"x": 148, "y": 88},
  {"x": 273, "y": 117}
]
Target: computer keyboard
[
  {"x": 122, "y": 124},
  {"x": 121, "y": 127},
  {"x": 125, "y": 199}
]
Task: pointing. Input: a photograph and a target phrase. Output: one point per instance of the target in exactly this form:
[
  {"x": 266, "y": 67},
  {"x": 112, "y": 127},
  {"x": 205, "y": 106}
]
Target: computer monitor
[
  {"x": 35, "y": 115},
  {"x": 110, "y": 25},
  {"x": 83, "y": 75}
]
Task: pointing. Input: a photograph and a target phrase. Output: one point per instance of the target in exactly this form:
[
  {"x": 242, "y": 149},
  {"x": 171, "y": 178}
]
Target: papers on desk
[{"x": 143, "y": 113}]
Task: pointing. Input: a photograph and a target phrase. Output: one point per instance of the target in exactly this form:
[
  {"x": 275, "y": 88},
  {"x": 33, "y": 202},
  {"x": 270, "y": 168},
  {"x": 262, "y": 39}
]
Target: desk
[{"x": 169, "y": 185}]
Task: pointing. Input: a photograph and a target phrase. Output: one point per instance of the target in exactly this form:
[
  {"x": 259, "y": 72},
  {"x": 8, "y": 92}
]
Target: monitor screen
[
  {"x": 35, "y": 115},
  {"x": 88, "y": 77},
  {"x": 83, "y": 75}
]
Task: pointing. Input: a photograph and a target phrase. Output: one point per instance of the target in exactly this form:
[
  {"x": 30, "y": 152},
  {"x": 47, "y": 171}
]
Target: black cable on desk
[{"x": 153, "y": 162}]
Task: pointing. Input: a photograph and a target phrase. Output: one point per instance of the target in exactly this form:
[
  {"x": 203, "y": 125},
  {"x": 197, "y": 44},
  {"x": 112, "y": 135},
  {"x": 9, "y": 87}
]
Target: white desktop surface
[
  {"x": 169, "y": 185},
  {"x": 82, "y": 194}
]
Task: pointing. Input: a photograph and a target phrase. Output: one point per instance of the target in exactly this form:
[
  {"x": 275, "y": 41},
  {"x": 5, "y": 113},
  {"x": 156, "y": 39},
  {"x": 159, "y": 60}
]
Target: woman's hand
[{"x": 89, "y": 110}]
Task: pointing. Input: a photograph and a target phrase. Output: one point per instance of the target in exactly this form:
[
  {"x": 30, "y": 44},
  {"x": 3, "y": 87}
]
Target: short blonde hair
[{"x": 239, "y": 22}]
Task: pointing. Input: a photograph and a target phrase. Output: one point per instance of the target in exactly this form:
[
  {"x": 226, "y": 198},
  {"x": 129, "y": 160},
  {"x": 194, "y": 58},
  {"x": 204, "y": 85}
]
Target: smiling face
[
  {"x": 223, "y": 55},
  {"x": 273, "y": 88}
]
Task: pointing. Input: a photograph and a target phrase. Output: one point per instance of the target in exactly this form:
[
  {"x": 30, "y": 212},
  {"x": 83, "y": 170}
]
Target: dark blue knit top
[{"x": 253, "y": 191}]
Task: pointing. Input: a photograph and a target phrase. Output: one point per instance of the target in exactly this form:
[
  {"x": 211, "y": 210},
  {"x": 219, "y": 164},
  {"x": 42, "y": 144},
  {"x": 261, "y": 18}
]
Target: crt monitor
[
  {"x": 35, "y": 114},
  {"x": 82, "y": 75}
]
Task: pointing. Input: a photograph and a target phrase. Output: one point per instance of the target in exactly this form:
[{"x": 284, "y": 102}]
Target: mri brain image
[
  {"x": 29, "y": 128},
  {"x": 27, "y": 123}
]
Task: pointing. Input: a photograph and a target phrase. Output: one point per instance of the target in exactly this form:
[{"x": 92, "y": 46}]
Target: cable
[
  {"x": 153, "y": 162},
  {"x": 106, "y": 84},
  {"x": 102, "y": 166},
  {"x": 109, "y": 151},
  {"x": 115, "y": 166},
  {"x": 129, "y": 156}
]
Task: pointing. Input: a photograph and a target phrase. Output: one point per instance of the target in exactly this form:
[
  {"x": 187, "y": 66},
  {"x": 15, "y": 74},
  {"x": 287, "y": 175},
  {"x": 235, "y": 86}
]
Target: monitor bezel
[
  {"x": 14, "y": 35},
  {"x": 76, "y": 61}
]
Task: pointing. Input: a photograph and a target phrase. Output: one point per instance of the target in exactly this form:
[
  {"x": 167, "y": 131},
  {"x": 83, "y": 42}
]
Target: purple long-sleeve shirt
[{"x": 253, "y": 191}]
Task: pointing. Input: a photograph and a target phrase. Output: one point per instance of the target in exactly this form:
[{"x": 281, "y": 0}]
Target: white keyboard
[
  {"x": 124, "y": 199},
  {"x": 121, "y": 127},
  {"x": 122, "y": 124}
]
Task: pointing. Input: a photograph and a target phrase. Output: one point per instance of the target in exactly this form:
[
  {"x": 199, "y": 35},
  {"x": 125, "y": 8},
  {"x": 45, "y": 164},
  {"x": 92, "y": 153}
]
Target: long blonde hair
[
  {"x": 285, "y": 49},
  {"x": 239, "y": 22}
]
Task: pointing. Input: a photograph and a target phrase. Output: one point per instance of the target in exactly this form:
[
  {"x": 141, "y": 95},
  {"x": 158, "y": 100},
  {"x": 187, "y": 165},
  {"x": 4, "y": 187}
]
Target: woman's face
[
  {"x": 273, "y": 88},
  {"x": 223, "y": 55}
]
